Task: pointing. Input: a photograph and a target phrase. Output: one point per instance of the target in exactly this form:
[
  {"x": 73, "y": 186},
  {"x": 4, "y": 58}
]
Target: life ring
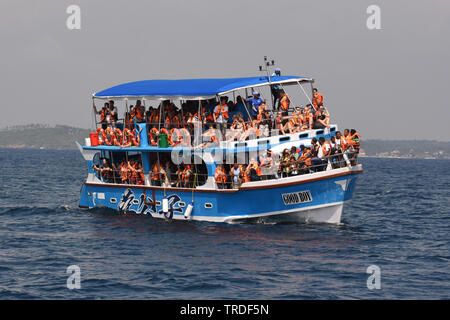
[
  {"x": 127, "y": 137},
  {"x": 117, "y": 137},
  {"x": 153, "y": 136},
  {"x": 135, "y": 138},
  {"x": 101, "y": 135},
  {"x": 177, "y": 139},
  {"x": 109, "y": 136},
  {"x": 185, "y": 137}
]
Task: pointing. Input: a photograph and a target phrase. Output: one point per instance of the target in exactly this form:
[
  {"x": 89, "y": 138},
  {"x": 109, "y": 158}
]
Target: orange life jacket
[
  {"x": 221, "y": 110},
  {"x": 220, "y": 176},
  {"x": 285, "y": 102},
  {"x": 317, "y": 100}
]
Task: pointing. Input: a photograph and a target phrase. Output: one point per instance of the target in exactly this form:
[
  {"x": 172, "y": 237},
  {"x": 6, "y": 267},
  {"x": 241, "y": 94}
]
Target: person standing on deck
[
  {"x": 275, "y": 88},
  {"x": 254, "y": 104},
  {"x": 221, "y": 115}
]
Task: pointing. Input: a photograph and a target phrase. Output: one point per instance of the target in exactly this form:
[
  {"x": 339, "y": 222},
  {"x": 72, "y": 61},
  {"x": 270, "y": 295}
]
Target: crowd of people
[
  {"x": 237, "y": 120},
  {"x": 127, "y": 172},
  {"x": 340, "y": 151}
]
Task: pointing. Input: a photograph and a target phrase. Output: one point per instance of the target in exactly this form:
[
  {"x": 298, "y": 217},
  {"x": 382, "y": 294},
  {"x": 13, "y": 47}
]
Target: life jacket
[
  {"x": 176, "y": 121},
  {"x": 341, "y": 143},
  {"x": 138, "y": 112},
  {"x": 324, "y": 148},
  {"x": 317, "y": 100},
  {"x": 221, "y": 110},
  {"x": 155, "y": 172},
  {"x": 103, "y": 115},
  {"x": 186, "y": 175},
  {"x": 306, "y": 156},
  {"x": 220, "y": 176},
  {"x": 355, "y": 140},
  {"x": 285, "y": 102},
  {"x": 124, "y": 171}
]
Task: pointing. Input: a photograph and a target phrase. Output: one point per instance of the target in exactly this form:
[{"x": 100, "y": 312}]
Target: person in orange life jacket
[
  {"x": 355, "y": 140},
  {"x": 186, "y": 176},
  {"x": 138, "y": 113},
  {"x": 106, "y": 171},
  {"x": 317, "y": 99},
  {"x": 305, "y": 159},
  {"x": 212, "y": 143},
  {"x": 323, "y": 153},
  {"x": 156, "y": 175},
  {"x": 104, "y": 114},
  {"x": 322, "y": 118},
  {"x": 221, "y": 177},
  {"x": 255, "y": 170},
  {"x": 221, "y": 114},
  {"x": 285, "y": 104}
]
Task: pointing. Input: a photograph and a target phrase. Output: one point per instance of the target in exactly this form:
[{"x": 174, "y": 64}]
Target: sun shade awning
[{"x": 191, "y": 88}]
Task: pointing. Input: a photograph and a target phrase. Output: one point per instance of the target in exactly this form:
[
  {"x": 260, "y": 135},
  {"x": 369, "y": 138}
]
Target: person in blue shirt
[{"x": 254, "y": 103}]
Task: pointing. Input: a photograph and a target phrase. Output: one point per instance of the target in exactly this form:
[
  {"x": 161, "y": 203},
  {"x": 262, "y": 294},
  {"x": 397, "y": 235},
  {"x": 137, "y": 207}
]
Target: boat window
[
  {"x": 333, "y": 129},
  {"x": 303, "y": 135},
  {"x": 285, "y": 139},
  {"x": 318, "y": 132}
]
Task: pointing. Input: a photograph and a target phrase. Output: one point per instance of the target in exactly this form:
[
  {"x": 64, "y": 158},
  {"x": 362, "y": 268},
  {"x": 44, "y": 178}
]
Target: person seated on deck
[
  {"x": 106, "y": 171},
  {"x": 168, "y": 174},
  {"x": 317, "y": 99},
  {"x": 179, "y": 174},
  {"x": 156, "y": 174},
  {"x": 293, "y": 125},
  {"x": 353, "y": 143},
  {"x": 209, "y": 144},
  {"x": 305, "y": 159},
  {"x": 267, "y": 165},
  {"x": 186, "y": 177},
  {"x": 322, "y": 118},
  {"x": 221, "y": 177},
  {"x": 124, "y": 173},
  {"x": 341, "y": 147},
  {"x": 104, "y": 114},
  {"x": 236, "y": 130},
  {"x": 323, "y": 153},
  {"x": 263, "y": 120},
  {"x": 236, "y": 175},
  {"x": 251, "y": 132},
  {"x": 285, "y": 163},
  {"x": 306, "y": 119},
  {"x": 255, "y": 171},
  {"x": 136, "y": 173}
]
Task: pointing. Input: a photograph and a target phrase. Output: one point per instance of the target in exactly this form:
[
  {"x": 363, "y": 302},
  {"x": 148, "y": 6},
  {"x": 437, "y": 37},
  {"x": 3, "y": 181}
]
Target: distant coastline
[{"x": 59, "y": 137}]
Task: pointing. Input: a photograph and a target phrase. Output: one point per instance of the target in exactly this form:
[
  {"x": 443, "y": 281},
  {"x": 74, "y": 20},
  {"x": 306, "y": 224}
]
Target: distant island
[{"x": 38, "y": 136}]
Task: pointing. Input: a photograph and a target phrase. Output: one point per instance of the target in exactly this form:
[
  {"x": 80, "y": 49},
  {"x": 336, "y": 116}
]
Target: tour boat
[{"x": 310, "y": 197}]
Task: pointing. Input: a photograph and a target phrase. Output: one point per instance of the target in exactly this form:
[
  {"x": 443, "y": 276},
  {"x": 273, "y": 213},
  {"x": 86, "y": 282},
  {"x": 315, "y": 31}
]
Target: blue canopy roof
[{"x": 190, "y": 88}]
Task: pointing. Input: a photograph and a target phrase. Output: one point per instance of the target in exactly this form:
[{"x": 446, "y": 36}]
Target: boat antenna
[{"x": 266, "y": 67}]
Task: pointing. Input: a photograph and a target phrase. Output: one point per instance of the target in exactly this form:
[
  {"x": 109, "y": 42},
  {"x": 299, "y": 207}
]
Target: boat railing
[{"x": 278, "y": 171}]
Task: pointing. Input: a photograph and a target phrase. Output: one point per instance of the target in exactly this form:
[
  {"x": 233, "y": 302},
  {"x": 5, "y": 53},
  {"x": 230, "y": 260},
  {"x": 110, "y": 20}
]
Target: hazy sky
[{"x": 391, "y": 83}]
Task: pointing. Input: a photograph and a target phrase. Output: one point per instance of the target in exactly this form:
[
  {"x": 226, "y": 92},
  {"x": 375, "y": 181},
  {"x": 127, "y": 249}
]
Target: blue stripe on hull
[{"x": 224, "y": 205}]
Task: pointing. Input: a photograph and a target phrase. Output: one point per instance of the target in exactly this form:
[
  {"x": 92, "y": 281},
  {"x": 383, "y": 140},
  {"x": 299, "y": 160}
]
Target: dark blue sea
[{"x": 398, "y": 220}]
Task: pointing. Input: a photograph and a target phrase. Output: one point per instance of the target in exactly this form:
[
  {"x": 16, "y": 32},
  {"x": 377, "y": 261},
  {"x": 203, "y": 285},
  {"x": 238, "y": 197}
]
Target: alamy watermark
[
  {"x": 74, "y": 280},
  {"x": 374, "y": 280},
  {"x": 373, "y": 21},
  {"x": 73, "y": 21}
]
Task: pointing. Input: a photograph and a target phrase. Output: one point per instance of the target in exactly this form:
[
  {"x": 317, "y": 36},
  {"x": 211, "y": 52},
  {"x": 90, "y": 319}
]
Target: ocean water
[{"x": 398, "y": 220}]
